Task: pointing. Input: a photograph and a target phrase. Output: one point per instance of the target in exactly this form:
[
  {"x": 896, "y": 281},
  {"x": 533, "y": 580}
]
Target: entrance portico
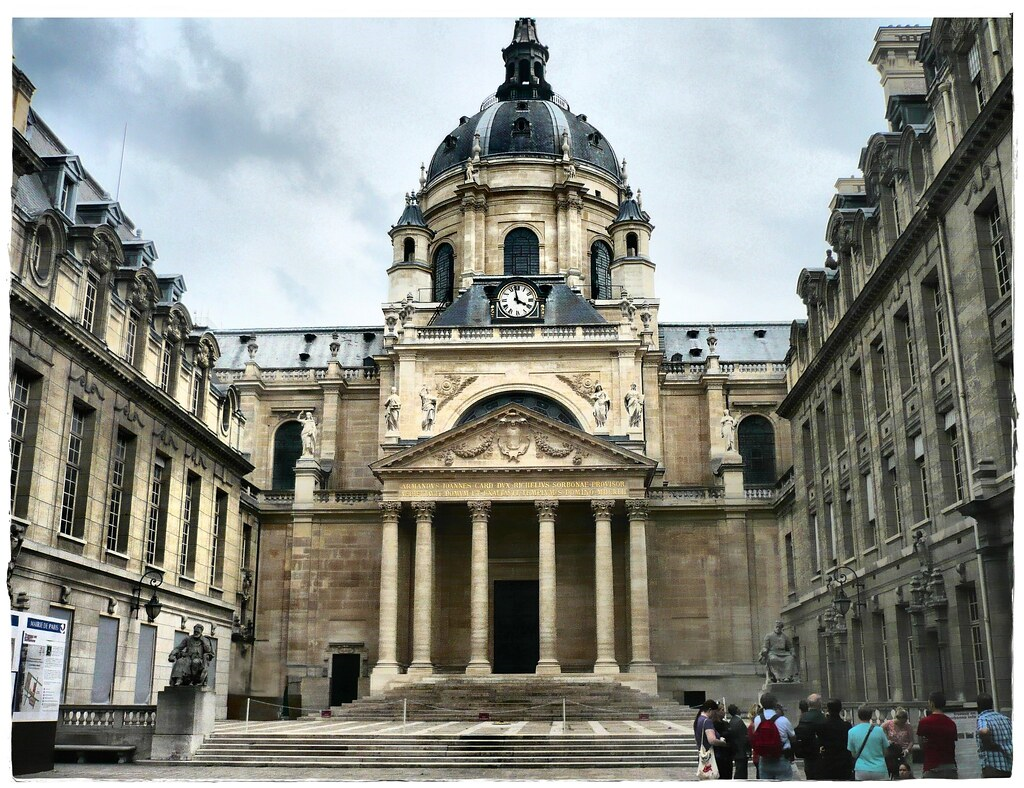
[{"x": 535, "y": 512}]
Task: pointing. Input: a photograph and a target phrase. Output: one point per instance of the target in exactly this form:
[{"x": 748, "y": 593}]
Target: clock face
[{"x": 517, "y": 299}]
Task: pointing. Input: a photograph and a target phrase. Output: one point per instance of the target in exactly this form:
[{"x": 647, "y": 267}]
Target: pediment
[{"x": 514, "y": 439}]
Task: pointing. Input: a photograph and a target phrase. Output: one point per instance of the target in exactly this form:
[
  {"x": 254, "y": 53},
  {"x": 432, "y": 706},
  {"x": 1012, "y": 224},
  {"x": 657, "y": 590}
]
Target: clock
[{"x": 517, "y": 299}]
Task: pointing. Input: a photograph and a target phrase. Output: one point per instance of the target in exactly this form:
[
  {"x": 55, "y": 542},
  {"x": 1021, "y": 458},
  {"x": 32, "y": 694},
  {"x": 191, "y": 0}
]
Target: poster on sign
[{"x": 37, "y": 667}]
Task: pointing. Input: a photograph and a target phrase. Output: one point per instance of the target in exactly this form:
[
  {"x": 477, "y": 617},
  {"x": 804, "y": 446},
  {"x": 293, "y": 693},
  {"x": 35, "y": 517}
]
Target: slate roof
[
  {"x": 279, "y": 348},
  {"x": 630, "y": 211},
  {"x": 564, "y": 307},
  {"x": 736, "y": 341},
  {"x": 412, "y": 216}
]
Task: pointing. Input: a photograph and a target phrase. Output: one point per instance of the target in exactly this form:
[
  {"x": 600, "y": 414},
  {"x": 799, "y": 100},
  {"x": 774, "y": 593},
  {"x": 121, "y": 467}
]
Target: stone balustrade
[{"x": 530, "y": 333}]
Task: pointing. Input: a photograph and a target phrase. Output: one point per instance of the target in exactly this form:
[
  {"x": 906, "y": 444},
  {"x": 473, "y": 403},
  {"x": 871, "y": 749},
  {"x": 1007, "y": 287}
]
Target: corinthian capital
[
  {"x": 479, "y": 510},
  {"x": 602, "y": 509},
  {"x": 546, "y": 509},
  {"x": 424, "y": 510},
  {"x": 390, "y": 510},
  {"x": 636, "y": 508}
]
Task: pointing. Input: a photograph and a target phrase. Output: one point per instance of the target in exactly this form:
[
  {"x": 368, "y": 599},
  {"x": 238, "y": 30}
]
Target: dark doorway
[
  {"x": 344, "y": 678},
  {"x": 516, "y": 626}
]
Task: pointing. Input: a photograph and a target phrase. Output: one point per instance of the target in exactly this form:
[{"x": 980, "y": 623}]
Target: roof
[
  {"x": 543, "y": 136},
  {"x": 412, "y": 216},
  {"x": 630, "y": 210},
  {"x": 736, "y": 341},
  {"x": 563, "y": 307},
  {"x": 279, "y": 348}
]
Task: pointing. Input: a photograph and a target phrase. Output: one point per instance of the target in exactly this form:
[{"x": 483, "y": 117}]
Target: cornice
[
  {"x": 59, "y": 328},
  {"x": 996, "y": 116}
]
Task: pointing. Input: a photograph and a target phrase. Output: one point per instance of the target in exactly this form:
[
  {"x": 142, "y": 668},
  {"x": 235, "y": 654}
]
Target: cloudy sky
[{"x": 267, "y": 159}]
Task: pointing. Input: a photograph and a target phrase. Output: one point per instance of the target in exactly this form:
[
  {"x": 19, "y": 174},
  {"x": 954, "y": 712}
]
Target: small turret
[
  {"x": 525, "y": 62},
  {"x": 631, "y": 266},
  {"x": 410, "y": 239}
]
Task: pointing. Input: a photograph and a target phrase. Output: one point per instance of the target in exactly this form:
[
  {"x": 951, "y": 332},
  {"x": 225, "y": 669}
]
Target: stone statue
[
  {"x": 626, "y": 307},
  {"x": 922, "y": 550},
  {"x": 777, "y": 655},
  {"x": 729, "y": 430},
  {"x": 471, "y": 173},
  {"x": 601, "y": 405},
  {"x": 712, "y": 341},
  {"x": 308, "y": 434},
  {"x": 634, "y": 406},
  {"x": 428, "y": 405},
  {"x": 191, "y": 659},
  {"x": 392, "y": 407},
  {"x": 570, "y": 171}
]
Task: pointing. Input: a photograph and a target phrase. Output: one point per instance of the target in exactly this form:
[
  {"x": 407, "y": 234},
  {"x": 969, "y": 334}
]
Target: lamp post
[
  {"x": 153, "y": 578},
  {"x": 836, "y": 582}
]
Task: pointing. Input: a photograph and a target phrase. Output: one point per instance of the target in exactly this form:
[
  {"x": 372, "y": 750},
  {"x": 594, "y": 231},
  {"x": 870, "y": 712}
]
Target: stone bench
[{"x": 124, "y": 752}]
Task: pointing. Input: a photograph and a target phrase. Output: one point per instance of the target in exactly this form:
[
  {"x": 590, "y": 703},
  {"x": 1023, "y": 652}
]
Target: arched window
[
  {"x": 538, "y": 70},
  {"x": 535, "y": 402},
  {"x": 522, "y": 253},
  {"x": 444, "y": 274},
  {"x": 287, "y": 449},
  {"x": 632, "y": 245},
  {"x": 600, "y": 270},
  {"x": 408, "y": 250},
  {"x": 757, "y": 446},
  {"x": 524, "y": 70}
]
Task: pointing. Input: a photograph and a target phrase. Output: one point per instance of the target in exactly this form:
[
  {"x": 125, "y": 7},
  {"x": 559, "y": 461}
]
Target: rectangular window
[
  {"x": 880, "y": 377},
  {"x": 220, "y": 518},
  {"x": 1000, "y": 256},
  {"x": 72, "y": 509},
  {"x": 144, "y": 664},
  {"x": 66, "y": 195},
  {"x": 891, "y": 496},
  {"x": 974, "y": 70},
  {"x": 806, "y": 441},
  {"x": 830, "y": 534},
  {"x": 165, "y": 368},
  {"x": 246, "y": 545},
  {"x": 955, "y": 459},
  {"x": 871, "y": 521},
  {"x": 131, "y": 332},
  {"x": 89, "y": 305},
  {"x": 885, "y": 679},
  {"x": 20, "y": 389},
  {"x": 119, "y": 505},
  {"x": 821, "y": 428},
  {"x": 939, "y": 315},
  {"x": 847, "y": 524},
  {"x": 68, "y": 615},
  {"x": 106, "y": 660},
  {"x": 857, "y": 398},
  {"x": 905, "y": 349},
  {"x": 790, "y": 564},
  {"x": 156, "y": 521},
  {"x": 190, "y": 526},
  {"x": 197, "y": 380},
  {"x": 977, "y": 640},
  {"x": 812, "y": 544},
  {"x": 838, "y": 426},
  {"x": 896, "y": 209}
]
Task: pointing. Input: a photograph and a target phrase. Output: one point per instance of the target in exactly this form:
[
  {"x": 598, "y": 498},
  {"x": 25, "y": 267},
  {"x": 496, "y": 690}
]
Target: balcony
[{"x": 430, "y": 335}]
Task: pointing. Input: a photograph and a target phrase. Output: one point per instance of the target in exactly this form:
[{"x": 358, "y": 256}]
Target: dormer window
[
  {"x": 131, "y": 337},
  {"x": 521, "y": 126},
  {"x": 89, "y": 304},
  {"x": 760, "y": 333},
  {"x": 692, "y": 333},
  {"x": 595, "y": 139},
  {"x": 696, "y": 351},
  {"x": 974, "y": 71},
  {"x": 450, "y": 141}
]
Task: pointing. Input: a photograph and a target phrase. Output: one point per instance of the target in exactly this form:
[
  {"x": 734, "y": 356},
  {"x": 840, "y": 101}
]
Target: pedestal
[
  {"x": 789, "y": 694},
  {"x": 184, "y": 717},
  {"x": 731, "y": 471},
  {"x": 307, "y": 475}
]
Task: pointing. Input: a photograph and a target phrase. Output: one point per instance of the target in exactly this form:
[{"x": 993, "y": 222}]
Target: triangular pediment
[{"x": 515, "y": 439}]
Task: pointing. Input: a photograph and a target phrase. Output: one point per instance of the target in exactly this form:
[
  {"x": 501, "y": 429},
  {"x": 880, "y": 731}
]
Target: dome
[
  {"x": 531, "y": 126},
  {"x": 524, "y": 117}
]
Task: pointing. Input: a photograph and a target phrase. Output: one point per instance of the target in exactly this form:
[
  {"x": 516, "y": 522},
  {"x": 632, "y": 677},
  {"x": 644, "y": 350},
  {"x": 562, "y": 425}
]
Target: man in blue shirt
[{"x": 995, "y": 740}]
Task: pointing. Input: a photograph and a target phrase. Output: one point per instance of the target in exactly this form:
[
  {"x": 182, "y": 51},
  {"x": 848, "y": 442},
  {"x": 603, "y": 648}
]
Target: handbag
[{"x": 707, "y": 767}]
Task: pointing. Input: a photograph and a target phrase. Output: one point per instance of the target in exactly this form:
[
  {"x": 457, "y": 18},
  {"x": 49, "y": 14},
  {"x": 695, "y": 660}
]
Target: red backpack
[{"x": 766, "y": 741}]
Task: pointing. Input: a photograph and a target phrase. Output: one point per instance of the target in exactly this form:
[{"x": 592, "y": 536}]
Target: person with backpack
[
  {"x": 771, "y": 738},
  {"x": 805, "y": 745},
  {"x": 834, "y": 761},
  {"x": 868, "y": 743}
]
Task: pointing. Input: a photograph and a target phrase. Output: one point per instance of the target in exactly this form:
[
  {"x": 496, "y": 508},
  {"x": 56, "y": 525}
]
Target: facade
[
  {"x": 522, "y": 469},
  {"x": 901, "y": 388},
  {"x": 126, "y": 478}
]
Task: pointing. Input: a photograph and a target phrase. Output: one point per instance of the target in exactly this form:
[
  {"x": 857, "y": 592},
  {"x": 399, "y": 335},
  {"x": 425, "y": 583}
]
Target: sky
[{"x": 267, "y": 159}]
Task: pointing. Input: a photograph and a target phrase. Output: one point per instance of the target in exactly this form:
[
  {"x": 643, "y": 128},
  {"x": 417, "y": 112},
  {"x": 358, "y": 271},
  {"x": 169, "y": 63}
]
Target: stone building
[
  {"x": 127, "y": 483},
  {"x": 521, "y": 470},
  {"x": 901, "y": 388}
]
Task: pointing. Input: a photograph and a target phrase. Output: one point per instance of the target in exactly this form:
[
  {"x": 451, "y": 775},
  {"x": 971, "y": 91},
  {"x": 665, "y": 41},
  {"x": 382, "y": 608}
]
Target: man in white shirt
[{"x": 778, "y": 767}]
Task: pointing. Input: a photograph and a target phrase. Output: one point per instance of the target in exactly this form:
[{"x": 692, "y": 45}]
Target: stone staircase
[
  {"x": 512, "y": 698},
  {"x": 450, "y": 752}
]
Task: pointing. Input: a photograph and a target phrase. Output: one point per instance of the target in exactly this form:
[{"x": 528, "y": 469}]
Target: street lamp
[
  {"x": 836, "y": 582},
  {"x": 153, "y": 578}
]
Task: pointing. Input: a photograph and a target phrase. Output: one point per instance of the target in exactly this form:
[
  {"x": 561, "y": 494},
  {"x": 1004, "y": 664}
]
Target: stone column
[
  {"x": 639, "y": 603},
  {"x": 423, "y": 590},
  {"x": 548, "y": 663},
  {"x": 387, "y": 641},
  {"x": 604, "y": 599},
  {"x": 479, "y": 511}
]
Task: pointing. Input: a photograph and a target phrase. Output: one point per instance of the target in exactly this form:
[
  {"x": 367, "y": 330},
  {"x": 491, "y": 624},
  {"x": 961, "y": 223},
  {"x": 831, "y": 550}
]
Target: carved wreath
[
  {"x": 543, "y": 446},
  {"x": 469, "y": 452}
]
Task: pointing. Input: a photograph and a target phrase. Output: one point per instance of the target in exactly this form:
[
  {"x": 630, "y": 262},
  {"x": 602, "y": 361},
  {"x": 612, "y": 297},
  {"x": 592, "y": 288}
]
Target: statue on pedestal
[
  {"x": 308, "y": 434},
  {"x": 634, "y": 406},
  {"x": 191, "y": 659},
  {"x": 428, "y": 405},
  {"x": 601, "y": 405},
  {"x": 392, "y": 407},
  {"x": 777, "y": 655},
  {"x": 729, "y": 431}
]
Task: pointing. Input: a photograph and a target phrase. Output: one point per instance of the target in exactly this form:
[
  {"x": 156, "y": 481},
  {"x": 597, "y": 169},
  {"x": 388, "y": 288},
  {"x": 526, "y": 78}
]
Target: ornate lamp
[{"x": 153, "y": 578}]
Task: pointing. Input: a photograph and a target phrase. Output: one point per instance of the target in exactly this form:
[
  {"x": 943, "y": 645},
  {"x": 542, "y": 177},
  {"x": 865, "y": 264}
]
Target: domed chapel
[{"x": 522, "y": 470}]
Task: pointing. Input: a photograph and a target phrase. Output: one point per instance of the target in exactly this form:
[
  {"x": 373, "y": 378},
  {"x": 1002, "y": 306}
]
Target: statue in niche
[
  {"x": 191, "y": 659},
  {"x": 601, "y": 405},
  {"x": 308, "y": 434},
  {"x": 392, "y": 408},
  {"x": 634, "y": 406},
  {"x": 778, "y": 656},
  {"x": 428, "y": 404},
  {"x": 729, "y": 430}
]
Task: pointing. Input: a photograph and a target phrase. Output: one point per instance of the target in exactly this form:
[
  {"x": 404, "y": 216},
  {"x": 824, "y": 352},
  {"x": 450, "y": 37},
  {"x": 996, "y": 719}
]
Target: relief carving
[
  {"x": 582, "y": 383},
  {"x": 451, "y": 386},
  {"x": 512, "y": 441},
  {"x": 89, "y": 384}
]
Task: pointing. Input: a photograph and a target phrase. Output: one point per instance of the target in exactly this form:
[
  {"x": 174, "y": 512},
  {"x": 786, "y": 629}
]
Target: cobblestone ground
[{"x": 132, "y": 772}]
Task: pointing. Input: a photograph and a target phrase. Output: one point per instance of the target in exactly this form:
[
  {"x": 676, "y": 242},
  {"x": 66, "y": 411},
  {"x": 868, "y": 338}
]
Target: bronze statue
[
  {"x": 777, "y": 655},
  {"x": 191, "y": 659}
]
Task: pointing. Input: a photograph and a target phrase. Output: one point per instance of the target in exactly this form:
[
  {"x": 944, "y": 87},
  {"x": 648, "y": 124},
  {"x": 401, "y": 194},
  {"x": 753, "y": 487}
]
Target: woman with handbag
[
  {"x": 709, "y": 742},
  {"x": 901, "y": 741}
]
